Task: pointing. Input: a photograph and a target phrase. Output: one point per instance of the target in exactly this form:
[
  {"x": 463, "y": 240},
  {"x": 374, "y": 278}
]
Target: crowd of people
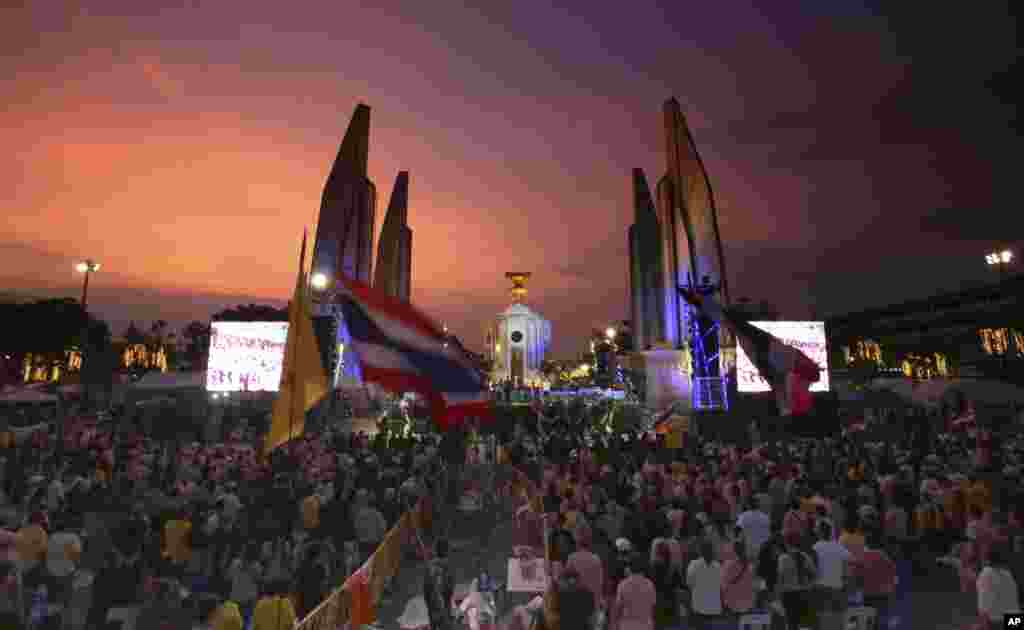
[
  {"x": 638, "y": 536},
  {"x": 104, "y": 527}
]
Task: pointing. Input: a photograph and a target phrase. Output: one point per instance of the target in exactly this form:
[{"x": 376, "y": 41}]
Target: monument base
[{"x": 667, "y": 377}]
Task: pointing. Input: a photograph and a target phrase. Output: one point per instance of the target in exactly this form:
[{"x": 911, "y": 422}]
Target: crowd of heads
[{"x": 169, "y": 525}]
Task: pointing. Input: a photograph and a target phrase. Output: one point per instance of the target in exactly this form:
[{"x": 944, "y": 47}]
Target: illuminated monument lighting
[{"x": 673, "y": 242}]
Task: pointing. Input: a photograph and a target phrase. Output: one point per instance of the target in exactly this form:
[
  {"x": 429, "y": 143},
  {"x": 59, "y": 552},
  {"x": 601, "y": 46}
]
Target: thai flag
[
  {"x": 789, "y": 371},
  {"x": 402, "y": 350}
]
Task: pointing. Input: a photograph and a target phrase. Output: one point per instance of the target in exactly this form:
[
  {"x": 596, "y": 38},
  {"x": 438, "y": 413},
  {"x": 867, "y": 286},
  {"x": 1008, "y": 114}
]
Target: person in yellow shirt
[
  {"x": 275, "y": 610},
  {"x": 852, "y": 536},
  {"x": 177, "y": 543},
  {"x": 856, "y": 472},
  {"x": 979, "y": 496},
  {"x": 227, "y": 617},
  {"x": 31, "y": 543},
  {"x": 809, "y": 506},
  {"x": 310, "y": 512}
]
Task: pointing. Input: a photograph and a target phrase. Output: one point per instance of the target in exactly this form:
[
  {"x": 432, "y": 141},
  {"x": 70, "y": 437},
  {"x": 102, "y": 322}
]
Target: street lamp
[
  {"x": 319, "y": 281},
  {"x": 610, "y": 333},
  {"x": 1001, "y": 260},
  {"x": 87, "y": 268}
]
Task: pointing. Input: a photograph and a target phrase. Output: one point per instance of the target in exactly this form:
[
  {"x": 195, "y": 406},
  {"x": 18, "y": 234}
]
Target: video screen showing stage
[
  {"x": 809, "y": 337},
  {"x": 246, "y": 356}
]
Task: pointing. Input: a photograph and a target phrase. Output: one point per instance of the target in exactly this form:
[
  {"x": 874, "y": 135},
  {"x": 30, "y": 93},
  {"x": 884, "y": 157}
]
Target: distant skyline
[{"x": 858, "y": 159}]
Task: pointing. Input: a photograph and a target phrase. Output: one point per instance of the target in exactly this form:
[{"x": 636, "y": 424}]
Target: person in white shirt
[
  {"x": 833, "y": 560},
  {"x": 997, "y": 590},
  {"x": 757, "y": 529},
  {"x": 704, "y": 577}
]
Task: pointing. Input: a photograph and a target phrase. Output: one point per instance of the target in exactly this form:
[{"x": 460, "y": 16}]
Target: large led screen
[
  {"x": 246, "y": 356},
  {"x": 806, "y": 336}
]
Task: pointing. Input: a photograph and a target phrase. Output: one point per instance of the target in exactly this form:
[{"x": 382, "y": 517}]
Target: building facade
[{"x": 978, "y": 331}]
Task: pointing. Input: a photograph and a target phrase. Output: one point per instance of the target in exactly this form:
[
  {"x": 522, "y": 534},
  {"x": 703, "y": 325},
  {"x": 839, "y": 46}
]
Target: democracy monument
[
  {"x": 344, "y": 241},
  {"x": 674, "y": 242}
]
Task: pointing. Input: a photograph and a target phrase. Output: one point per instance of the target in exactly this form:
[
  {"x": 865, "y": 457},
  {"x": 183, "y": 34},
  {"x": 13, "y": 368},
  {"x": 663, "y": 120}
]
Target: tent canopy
[
  {"x": 27, "y": 396},
  {"x": 171, "y": 380}
]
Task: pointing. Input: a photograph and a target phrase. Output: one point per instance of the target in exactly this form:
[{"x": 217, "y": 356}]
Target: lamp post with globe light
[
  {"x": 1000, "y": 260},
  {"x": 322, "y": 285},
  {"x": 87, "y": 268}
]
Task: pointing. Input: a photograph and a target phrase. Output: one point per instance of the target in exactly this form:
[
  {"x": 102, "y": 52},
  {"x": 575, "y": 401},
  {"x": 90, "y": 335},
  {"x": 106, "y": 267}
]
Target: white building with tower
[{"x": 518, "y": 339}]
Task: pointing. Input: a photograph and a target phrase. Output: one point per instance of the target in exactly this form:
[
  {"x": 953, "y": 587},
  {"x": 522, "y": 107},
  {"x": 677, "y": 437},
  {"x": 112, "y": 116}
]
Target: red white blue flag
[
  {"x": 402, "y": 350},
  {"x": 789, "y": 371}
]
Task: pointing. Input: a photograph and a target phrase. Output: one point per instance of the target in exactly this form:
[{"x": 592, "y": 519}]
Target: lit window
[
  {"x": 994, "y": 340},
  {"x": 864, "y": 349}
]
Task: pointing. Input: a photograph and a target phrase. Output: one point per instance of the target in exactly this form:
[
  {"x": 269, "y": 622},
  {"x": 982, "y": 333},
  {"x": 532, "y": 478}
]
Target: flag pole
[{"x": 300, "y": 299}]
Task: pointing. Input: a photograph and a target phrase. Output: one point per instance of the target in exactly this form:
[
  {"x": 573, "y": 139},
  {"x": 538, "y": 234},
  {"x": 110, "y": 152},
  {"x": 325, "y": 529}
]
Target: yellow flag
[
  {"x": 303, "y": 380},
  {"x": 679, "y": 426}
]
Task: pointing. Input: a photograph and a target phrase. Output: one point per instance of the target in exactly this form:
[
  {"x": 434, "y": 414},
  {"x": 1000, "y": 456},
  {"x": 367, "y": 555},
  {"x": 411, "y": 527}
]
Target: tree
[
  {"x": 252, "y": 313},
  {"x": 46, "y": 330},
  {"x": 133, "y": 335},
  {"x": 156, "y": 333}
]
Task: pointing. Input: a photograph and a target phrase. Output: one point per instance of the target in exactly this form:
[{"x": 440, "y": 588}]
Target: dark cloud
[
  {"x": 857, "y": 153},
  {"x": 975, "y": 225}
]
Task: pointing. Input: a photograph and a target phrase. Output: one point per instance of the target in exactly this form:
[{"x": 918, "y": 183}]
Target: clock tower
[{"x": 518, "y": 339}]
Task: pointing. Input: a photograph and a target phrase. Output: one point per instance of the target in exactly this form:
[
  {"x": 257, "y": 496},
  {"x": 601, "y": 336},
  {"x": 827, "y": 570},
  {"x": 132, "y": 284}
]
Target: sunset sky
[{"x": 859, "y": 158}]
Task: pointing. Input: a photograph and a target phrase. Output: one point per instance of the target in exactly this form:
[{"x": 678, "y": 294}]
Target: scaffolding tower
[{"x": 710, "y": 387}]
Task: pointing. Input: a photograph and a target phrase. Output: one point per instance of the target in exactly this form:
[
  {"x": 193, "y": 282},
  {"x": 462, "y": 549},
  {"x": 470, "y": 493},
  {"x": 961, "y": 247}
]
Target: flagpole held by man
[{"x": 401, "y": 349}]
